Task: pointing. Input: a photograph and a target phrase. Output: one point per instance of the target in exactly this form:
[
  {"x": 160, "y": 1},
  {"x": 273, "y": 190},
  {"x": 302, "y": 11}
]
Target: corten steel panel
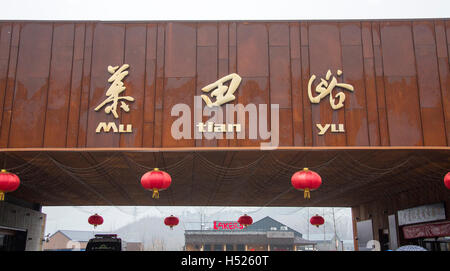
[
  {"x": 444, "y": 72},
  {"x": 224, "y": 62},
  {"x": 177, "y": 90},
  {"x": 5, "y": 40},
  {"x": 180, "y": 58},
  {"x": 135, "y": 50},
  {"x": 296, "y": 85},
  {"x": 53, "y": 75},
  {"x": 76, "y": 86},
  {"x": 325, "y": 53},
  {"x": 307, "y": 111},
  {"x": 206, "y": 67},
  {"x": 379, "y": 82},
  {"x": 280, "y": 77},
  {"x": 85, "y": 86},
  {"x": 252, "y": 50},
  {"x": 150, "y": 86},
  {"x": 107, "y": 50},
  {"x": 353, "y": 67},
  {"x": 370, "y": 86},
  {"x": 59, "y": 86},
  {"x": 31, "y": 86},
  {"x": 429, "y": 85}
]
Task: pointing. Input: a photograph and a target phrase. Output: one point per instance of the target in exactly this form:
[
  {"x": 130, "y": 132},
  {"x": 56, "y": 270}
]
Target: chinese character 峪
[
  {"x": 114, "y": 91},
  {"x": 325, "y": 88}
]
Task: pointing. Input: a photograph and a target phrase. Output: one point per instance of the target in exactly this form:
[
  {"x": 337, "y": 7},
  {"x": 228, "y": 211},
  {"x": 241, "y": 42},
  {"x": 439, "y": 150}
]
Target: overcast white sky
[
  {"x": 140, "y": 10},
  {"x": 109, "y": 10}
]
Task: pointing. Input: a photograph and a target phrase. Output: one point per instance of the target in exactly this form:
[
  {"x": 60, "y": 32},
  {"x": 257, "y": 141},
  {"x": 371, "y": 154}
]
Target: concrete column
[{"x": 26, "y": 219}]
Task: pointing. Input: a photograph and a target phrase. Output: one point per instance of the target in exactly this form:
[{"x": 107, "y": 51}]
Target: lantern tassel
[
  {"x": 155, "y": 194},
  {"x": 307, "y": 193},
  {"x": 2, "y": 196}
]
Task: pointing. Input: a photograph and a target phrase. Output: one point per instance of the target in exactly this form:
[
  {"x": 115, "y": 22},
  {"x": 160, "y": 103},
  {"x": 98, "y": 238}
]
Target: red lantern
[
  {"x": 317, "y": 220},
  {"x": 95, "y": 220},
  {"x": 245, "y": 220},
  {"x": 156, "y": 180},
  {"x": 306, "y": 180},
  {"x": 9, "y": 182},
  {"x": 447, "y": 180},
  {"x": 171, "y": 221}
]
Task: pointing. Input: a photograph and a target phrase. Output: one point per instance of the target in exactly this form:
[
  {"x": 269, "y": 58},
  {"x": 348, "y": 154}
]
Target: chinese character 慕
[{"x": 114, "y": 91}]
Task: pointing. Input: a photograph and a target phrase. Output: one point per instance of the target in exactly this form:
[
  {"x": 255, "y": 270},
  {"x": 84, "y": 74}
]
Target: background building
[{"x": 266, "y": 234}]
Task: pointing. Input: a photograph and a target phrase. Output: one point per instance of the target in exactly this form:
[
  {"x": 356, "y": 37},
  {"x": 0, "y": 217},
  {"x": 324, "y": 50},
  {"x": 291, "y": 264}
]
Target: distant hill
[{"x": 152, "y": 232}]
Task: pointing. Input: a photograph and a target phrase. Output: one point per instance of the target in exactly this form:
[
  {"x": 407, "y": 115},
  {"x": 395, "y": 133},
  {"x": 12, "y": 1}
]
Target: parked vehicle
[{"x": 104, "y": 242}]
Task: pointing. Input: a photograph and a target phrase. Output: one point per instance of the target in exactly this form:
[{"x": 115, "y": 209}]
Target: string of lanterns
[{"x": 157, "y": 180}]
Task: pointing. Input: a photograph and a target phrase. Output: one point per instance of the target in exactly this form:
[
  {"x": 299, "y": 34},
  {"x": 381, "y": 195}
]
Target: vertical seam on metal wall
[
  {"x": 81, "y": 86},
  {"x": 14, "y": 84},
  {"x": 411, "y": 25},
  {"x": 7, "y": 73},
  {"x": 145, "y": 87},
  {"x": 48, "y": 83},
  {"x": 364, "y": 83},
  {"x": 70, "y": 86}
]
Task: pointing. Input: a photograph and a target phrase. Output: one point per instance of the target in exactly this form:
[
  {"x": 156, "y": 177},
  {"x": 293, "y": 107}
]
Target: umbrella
[{"x": 410, "y": 248}]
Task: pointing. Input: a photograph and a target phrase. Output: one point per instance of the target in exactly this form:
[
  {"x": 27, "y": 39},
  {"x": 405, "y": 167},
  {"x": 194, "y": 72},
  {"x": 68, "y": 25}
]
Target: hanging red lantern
[
  {"x": 447, "y": 180},
  {"x": 317, "y": 220},
  {"x": 171, "y": 221},
  {"x": 156, "y": 180},
  {"x": 306, "y": 180},
  {"x": 95, "y": 220},
  {"x": 245, "y": 220},
  {"x": 9, "y": 182}
]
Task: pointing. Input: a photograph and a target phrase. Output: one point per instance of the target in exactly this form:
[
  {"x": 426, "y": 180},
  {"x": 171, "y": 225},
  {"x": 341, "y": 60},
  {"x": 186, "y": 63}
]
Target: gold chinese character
[
  {"x": 115, "y": 89},
  {"x": 220, "y": 89},
  {"x": 325, "y": 88}
]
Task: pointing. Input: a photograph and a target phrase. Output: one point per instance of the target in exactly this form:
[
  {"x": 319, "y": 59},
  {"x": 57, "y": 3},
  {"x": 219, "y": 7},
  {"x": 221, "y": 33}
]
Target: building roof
[
  {"x": 80, "y": 236},
  {"x": 267, "y": 223}
]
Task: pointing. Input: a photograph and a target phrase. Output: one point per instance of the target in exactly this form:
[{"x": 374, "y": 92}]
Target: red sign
[
  {"x": 427, "y": 230},
  {"x": 227, "y": 225}
]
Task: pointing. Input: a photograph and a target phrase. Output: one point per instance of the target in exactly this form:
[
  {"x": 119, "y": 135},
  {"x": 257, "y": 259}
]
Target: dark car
[{"x": 104, "y": 242}]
